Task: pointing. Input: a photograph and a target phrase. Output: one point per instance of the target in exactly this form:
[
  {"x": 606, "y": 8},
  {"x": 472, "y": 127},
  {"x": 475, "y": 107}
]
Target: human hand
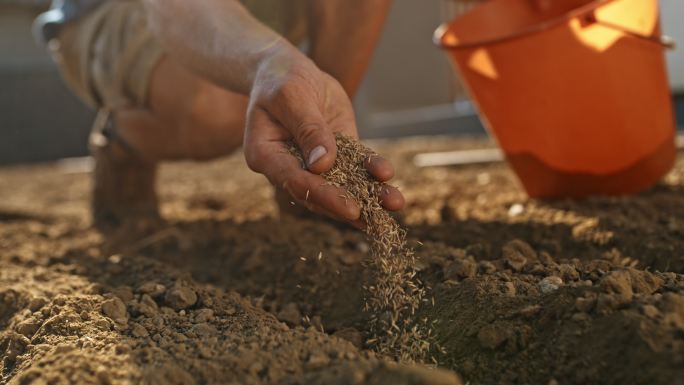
[{"x": 292, "y": 100}]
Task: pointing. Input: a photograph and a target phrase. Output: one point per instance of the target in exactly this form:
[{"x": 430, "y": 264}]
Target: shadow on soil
[
  {"x": 318, "y": 268},
  {"x": 277, "y": 262},
  {"x": 647, "y": 227},
  {"x": 16, "y": 216}
]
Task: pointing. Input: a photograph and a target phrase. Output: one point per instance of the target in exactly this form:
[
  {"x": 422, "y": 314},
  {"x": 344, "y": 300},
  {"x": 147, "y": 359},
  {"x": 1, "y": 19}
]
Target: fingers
[
  {"x": 357, "y": 223},
  {"x": 269, "y": 155},
  {"x": 391, "y": 199},
  {"x": 314, "y": 190},
  {"x": 318, "y": 146},
  {"x": 379, "y": 167},
  {"x": 266, "y": 152},
  {"x": 382, "y": 170}
]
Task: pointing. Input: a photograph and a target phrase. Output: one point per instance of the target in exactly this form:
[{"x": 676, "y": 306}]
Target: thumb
[
  {"x": 318, "y": 146},
  {"x": 298, "y": 110}
]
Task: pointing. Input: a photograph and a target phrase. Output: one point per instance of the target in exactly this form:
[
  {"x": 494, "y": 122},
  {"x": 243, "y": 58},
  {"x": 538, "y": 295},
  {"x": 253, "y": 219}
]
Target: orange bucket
[{"x": 575, "y": 91}]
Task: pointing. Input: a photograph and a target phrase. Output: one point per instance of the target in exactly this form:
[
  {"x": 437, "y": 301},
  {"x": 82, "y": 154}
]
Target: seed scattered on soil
[{"x": 396, "y": 292}]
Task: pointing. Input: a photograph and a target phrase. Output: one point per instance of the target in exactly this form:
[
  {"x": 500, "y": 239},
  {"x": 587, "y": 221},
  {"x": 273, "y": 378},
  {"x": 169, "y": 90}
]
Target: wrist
[{"x": 281, "y": 63}]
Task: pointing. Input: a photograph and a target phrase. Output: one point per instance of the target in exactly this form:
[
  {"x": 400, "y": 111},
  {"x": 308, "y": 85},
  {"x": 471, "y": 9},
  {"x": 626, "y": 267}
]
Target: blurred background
[{"x": 410, "y": 88}]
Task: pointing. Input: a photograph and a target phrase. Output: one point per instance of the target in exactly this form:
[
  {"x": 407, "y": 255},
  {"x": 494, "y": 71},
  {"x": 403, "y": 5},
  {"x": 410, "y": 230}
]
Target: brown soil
[{"x": 524, "y": 291}]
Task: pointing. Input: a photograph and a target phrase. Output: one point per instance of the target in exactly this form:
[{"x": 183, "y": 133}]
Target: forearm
[
  {"x": 344, "y": 34},
  {"x": 218, "y": 39}
]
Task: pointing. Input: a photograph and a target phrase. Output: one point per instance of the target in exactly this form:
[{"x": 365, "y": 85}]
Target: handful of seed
[{"x": 395, "y": 293}]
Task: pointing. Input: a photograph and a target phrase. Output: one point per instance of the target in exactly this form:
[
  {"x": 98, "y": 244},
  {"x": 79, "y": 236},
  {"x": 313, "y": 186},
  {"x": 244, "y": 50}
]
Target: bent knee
[{"x": 214, "y": 122}]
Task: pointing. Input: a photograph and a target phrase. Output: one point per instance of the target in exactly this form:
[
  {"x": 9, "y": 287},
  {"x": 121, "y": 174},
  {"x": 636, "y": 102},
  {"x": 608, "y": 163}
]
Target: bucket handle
[
  {"x": 664, "y": 40},
  {"x": 587, "y": 11}
]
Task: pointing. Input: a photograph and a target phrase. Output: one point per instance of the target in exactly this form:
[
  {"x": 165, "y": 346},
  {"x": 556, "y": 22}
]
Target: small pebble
[
  {"x": 139, "y": 331},
  {"x": 515, "y": 210},
  {"x": 550, "y": 284}
]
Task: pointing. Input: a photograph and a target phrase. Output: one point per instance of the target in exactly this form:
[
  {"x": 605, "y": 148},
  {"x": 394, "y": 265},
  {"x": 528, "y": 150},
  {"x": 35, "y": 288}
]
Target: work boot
[{"x": 124, "y": 183}]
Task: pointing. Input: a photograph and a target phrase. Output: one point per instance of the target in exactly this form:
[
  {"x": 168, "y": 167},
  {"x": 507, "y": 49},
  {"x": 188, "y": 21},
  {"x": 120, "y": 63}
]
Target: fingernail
[{"x": 317, "y": 153}]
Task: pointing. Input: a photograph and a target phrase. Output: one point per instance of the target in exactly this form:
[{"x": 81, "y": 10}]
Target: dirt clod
[
  {"x": 37, "y": 303},
  {"x": 517, "y": 253},
  {"x": 204, "y": 315},
  {"x": 550, "y": 284},
  {"x": 290, "y": 314},
  {"x": 180, "y": 296},
  {"x": 153, "y": 289},
  {"x": 125, "y": 293},
  {"x": 28, "y": 327},
  {"x": 139, "y": 331},
  {"x": 491, "y": 336},
  {"x": 460, "y": 269},
  {"x": 115, "y": 309}
]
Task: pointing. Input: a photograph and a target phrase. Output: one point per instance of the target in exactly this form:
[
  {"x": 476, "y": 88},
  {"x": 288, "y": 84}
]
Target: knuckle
[
  {"x": 309, "y": 132},
  {"x": 253, "y": 160}
]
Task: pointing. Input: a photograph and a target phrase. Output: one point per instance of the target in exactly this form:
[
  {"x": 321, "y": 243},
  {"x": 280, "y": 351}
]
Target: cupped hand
[{"x": 292, "y": 100}]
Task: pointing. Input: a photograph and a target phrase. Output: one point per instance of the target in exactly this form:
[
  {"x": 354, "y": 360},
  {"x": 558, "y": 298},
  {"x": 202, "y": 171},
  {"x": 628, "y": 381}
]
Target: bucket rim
[{"x": 440, "y": 32}]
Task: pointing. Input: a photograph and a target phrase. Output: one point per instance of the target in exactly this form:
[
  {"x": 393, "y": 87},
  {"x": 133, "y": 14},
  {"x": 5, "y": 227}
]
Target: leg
[
  {"x": 160, "y": 111},
  {"x": 186, "y": 117},
  {"x": 343, "y": 36}
]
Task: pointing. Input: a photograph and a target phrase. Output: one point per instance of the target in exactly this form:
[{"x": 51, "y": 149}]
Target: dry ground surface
[{"x": 225, "y": 291}]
